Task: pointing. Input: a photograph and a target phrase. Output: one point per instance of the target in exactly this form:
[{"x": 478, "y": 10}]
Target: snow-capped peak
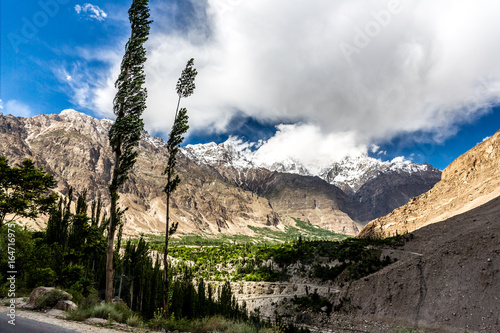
[
  {"x": 227, "y": 153},
  {"x": 350, "y": 173}
]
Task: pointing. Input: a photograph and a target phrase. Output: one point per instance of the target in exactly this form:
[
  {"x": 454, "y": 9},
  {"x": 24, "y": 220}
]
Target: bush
[
  {"x": 42, "y": 277},
  {"x": 118, "y": 312},
  {"x": 158, "y": 322},
  {"x": 72, "y": 274},
  {"x": 79, "y": 314},
  {"x": 107, "y": 311},
  {"x": 90, "y": 301},
  {"x": 314, "y": 302},
  {"x": 134, "y": 321}
]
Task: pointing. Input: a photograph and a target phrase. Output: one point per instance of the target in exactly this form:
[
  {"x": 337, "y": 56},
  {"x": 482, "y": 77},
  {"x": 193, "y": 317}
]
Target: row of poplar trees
[{"x": 124, "y": 135}]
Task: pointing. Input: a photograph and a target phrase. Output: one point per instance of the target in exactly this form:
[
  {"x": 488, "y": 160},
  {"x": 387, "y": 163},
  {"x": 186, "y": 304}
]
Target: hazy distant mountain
[{"x": 222, "y": 190}]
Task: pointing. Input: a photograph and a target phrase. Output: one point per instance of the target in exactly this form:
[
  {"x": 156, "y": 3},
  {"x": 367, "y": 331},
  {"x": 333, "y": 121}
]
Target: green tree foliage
[
  {"x": 59, "y": 219},
  {"x": 128, "y": 105},
  {"x": 24, "y": 190},
  {"x": 71, "y": 252},
  {"x": 185, "y": 88},
  {"x": 78, "y": 242}
]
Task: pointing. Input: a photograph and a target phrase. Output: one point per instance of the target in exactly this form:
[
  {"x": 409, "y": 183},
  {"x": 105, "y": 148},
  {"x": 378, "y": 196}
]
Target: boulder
[
  {"x": 39, "y": 294},
  {"x": 66, "y": 306}
]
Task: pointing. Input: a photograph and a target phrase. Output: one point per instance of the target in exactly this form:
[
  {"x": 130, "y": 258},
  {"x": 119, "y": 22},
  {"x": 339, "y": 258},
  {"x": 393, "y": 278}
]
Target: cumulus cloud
[
  {"x": 18, "y": 109},
  {"x": 308, "y": 145},
  {"x": 92, "y": 11},
  {"x": 414, "y": 66},
  {"x": 1, "y": 104}
]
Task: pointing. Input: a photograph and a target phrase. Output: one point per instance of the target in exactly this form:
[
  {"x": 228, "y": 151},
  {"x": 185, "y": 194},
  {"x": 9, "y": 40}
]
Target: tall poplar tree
[
  {"x": 128, "y": 106},
  {"x": 185, "y": 88}
]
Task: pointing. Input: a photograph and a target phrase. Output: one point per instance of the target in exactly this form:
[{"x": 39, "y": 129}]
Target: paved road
[{"x": 29, "y": 326}]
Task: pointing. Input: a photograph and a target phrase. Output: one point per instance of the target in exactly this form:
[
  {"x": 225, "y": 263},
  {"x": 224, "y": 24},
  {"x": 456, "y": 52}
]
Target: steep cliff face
[
  {"x": 470, "y": 181},
  {"x": 390, "y": 190}
]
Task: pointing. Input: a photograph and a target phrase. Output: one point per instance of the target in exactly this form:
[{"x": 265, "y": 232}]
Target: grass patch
[
  {"x": 134, "y": 321},
  {"x": 118, "y": 312}
]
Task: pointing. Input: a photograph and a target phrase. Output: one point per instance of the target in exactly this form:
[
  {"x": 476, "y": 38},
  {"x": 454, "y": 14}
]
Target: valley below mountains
[{"x": 222, "y": 191}]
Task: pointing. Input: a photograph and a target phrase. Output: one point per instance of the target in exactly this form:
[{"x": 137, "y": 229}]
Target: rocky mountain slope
[
  {"x": 446, "y": 278},
  {"x": 470, "y": 181},
  {"x": 222, "y": 190},
  {"x": 74, "y": 148}
]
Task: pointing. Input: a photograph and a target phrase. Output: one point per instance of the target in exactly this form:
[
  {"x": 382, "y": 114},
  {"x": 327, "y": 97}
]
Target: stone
[
  {"x": 66, "y": 306},
  {"x": 39, "y": 292}
]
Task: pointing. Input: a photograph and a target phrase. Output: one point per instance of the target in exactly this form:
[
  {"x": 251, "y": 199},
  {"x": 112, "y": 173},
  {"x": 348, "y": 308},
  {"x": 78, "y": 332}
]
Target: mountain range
[{"x": 223, "y": 188}]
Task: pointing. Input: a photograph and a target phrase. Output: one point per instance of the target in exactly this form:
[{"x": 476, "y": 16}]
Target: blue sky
[{"x": 384, "y": 78}]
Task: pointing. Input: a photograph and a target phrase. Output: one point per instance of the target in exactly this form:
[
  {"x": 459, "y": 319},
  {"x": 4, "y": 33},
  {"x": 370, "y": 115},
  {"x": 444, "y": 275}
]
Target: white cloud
[
  {"x": 18, "y": 109},
  {"x": 92, "y": 11},
  {"x": 374, "y": 148},
  {"x": 308, "y": 145},
  {"x": 1, "y": 104},
  {"x": 429, "y": 67}
]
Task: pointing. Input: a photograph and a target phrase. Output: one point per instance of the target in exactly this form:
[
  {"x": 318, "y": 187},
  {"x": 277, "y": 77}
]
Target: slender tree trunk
[
  {"x": 111, "y": 233},
  {"x": 177, "y": 110},
  {"x": 109, "y": 259},
  {"x": 132, "y": 294},
  {"x": 165, "y": 260}
]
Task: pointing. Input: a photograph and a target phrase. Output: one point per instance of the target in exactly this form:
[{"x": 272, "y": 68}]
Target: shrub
[
  {"x": 42, "y": 277},
  {"x": 314, "y": 302},
  {"x": 107, "y": 311},
  {"x": 134, "y": 321},
  {"x": 157, "y": 322},
  {"x": 79, "y": 314},
  {"x": 90, "y": 301}
]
